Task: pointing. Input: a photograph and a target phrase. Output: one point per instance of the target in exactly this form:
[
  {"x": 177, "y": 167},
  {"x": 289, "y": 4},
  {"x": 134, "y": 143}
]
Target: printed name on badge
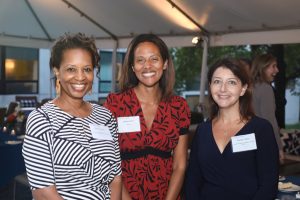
[
  {"x": 100, "y": 132},
  {"x": 129, "y": 124},
  {"x": 243, "y": 143}
]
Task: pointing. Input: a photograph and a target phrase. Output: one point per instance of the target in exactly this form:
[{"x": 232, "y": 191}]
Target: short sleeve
[
  {"x": 184, "y": 117},
  {"x": 112, "y": 103},
  {"x": 37, "y": 151}
]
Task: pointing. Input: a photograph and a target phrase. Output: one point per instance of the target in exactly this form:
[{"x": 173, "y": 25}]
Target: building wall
[{"x": 46, "y": 85}]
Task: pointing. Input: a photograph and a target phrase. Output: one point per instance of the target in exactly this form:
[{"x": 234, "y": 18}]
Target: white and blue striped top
[{"x": 59, "y": 150}]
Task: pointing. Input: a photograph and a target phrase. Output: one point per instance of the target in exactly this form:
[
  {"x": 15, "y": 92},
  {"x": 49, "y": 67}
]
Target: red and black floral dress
[{"x": 147, "y": 155}]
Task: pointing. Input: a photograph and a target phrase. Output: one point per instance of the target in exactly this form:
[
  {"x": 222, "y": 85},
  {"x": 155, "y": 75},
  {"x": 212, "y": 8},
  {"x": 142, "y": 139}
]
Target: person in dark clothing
[
  {"x": 280, "y": 102},
  {"x": 234, "y": 155}
]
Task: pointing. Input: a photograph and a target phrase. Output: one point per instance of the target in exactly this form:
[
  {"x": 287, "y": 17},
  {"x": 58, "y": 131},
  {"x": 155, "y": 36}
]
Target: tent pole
[
  {"x": 113, "y": 69},
  {"x": 203, "y": 70}
]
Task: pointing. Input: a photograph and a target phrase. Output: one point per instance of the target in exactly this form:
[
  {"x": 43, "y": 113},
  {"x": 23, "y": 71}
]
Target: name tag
[
  {"x": 243, "y": 143},
  {"x": 100, "y": 132},
  {"x": 129, "y": 124}
]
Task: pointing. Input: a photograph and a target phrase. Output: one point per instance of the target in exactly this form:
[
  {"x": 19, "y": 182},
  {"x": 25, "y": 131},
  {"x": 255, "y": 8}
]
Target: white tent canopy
[{"x": 36, "y": 23}]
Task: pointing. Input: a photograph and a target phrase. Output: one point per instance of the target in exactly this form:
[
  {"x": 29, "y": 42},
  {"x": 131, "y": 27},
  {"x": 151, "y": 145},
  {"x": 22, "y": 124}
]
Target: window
[
  {"x": 106, "y": 69},
  {"x": 19, "y": 70}
]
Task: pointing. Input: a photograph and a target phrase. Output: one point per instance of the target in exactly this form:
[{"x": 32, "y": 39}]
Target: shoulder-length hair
[
  {"x": 259, "y": 65},
  {"x": 128, "y": 79},
  {"x": 239, "y": 70}
]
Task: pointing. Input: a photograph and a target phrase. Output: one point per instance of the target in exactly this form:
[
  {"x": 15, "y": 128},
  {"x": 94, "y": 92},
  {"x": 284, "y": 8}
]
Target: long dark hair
[
  {"x": 128, "y": 78},
  {"x": 238, "y": 69}
]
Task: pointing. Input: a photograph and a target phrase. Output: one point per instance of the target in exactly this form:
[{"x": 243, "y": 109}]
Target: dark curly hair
[{"x": 74, "y": 41}]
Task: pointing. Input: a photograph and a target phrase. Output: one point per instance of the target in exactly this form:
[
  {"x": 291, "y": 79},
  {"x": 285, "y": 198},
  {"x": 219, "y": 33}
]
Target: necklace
[{"x": 231, "y": 128}]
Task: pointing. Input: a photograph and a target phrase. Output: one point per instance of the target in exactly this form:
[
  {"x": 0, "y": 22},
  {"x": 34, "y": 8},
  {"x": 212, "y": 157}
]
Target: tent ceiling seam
[
  {"x": 25, "y": 37},
  {"x": 38, "y": 20},
  {"x": 91, "y": 20},
  {"x": 281, "y": 28},
  {"x": 202, "y": 29}
]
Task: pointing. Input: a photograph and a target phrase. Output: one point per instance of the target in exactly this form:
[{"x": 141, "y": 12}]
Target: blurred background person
[
  {"x": 71, "y": 147},
  {"x": 234, "y": 154},
  {"x": 247, "y": 63},
  {"x": 153, "y": 122},
  {"x": 263, "y": 71}
]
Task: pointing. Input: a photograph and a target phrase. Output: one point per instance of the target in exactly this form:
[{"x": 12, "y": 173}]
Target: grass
[{"x": 293, "y": 126}]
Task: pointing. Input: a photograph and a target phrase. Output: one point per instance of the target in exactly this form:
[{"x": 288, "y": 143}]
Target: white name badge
[
  {"x": 100, "y": 132},
  {"x": 243, "y": 143},
  {"x": 129, "y": 124}
]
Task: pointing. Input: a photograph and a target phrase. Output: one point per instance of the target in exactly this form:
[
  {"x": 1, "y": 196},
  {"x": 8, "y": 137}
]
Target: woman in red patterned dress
[{"x": 153, "y": 122}]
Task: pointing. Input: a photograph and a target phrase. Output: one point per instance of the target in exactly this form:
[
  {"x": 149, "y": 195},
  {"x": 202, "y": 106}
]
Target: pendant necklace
[
  {"x": 228, "y": 132},
  {"x": 232, "y": 126}
]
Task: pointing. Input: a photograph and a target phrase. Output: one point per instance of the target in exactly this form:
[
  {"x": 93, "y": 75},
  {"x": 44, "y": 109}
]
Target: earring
[
  {"x": 90, "y": 92},
  {"x": 57, "y": 87},
  {"x": 132, "y": 68}
]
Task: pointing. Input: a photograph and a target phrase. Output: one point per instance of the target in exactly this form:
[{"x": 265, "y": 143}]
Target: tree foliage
[
  {"x": 188, "y": 62},
  {"x": 292, "y": 59}
]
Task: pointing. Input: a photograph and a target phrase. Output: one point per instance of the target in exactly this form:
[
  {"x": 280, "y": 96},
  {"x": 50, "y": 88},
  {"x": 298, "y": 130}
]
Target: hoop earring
[{"x": 57, "y": 87}]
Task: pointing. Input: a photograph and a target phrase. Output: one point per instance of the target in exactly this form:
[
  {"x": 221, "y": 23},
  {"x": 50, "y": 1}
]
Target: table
[
  {"x": 289, "y": 195},
  {"x": 11, "y": 159}
]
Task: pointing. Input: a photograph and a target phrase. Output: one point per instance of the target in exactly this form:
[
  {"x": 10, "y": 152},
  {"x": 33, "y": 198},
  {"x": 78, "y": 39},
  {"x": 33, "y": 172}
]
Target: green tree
[
  {"x": 292, "y": 59},
  {"x": 188, "y": 63}
]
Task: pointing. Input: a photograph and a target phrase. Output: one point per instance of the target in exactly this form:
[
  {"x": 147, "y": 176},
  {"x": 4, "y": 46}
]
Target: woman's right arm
[
  {"x": 125, "y": 193},
  {"x": 47, "y": 193},
  {"x": 116, "y": 188},
  {"x": 38, "y": 158}
]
